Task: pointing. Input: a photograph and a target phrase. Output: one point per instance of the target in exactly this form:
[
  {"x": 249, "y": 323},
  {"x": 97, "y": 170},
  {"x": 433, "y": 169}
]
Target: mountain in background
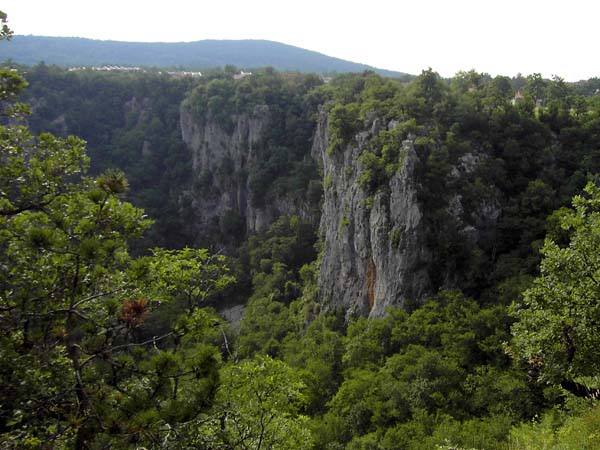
[{"x": 68, "y": 51}]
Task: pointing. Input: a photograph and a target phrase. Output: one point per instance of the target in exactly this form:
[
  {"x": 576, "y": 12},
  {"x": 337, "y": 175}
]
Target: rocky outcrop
[
  {"x": 483, "y": 217},
  {"x": 137, "y": 111},
  {"x": 375, "y": 254},
  {"x": 60, "y": 125},
  {"x": 222, "y": 158},
  {"x": 212, "y": 145}
]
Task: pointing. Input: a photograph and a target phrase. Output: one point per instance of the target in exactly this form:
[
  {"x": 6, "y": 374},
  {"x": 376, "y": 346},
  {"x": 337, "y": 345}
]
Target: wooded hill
[{"x": 74, "y": 52}]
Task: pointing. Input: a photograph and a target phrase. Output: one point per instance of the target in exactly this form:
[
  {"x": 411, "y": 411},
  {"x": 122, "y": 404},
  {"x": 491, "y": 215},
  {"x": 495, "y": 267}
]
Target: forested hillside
[
  {"x": 390, "y": 265},
  {"x": 75, "y": 52}
]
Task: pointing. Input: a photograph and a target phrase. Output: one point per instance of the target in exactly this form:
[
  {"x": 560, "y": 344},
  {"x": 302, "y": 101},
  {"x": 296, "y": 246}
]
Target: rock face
[
  {"x": 377, "y": 248},
  {"x": 211, "y": 145},
  {"x": 136, "y": 110},
  {"x": 217, "y": 152},
  {"x": 222, "y": 158},
  {"x": 375, "y": 254}
]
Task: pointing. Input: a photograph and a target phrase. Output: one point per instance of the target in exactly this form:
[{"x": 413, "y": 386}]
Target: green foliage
[
  {"x": 557, "y": 319},
  {"x": 76, "y": 320},
  {"x": 416, "y": 379},
  {"x": 276, "y": 256},
  {"x": 555, "y": 429},
  {"x": 396, "y": 237},
  {"x": 276, "y": 260},
  {"x": 265, "y": 324},
  {"x": 232, "y": 224},
  {"x": 344, "y": 223},
  {"x": 378, "y": 95},
  {"x": 256, "y": 407},
  {"x": 486, "y": 433},
  {"x": 372, "y": 173},
  {"x": 427, "y": 98},
  {"x": 5, "y": 32},
  {"x": 385, "y": 159},
  {"x": 129, "y": 121},
  {"x": 263, "y": 179},
  {"x": 368, "y": 342},
  {"x": 188, "y": 275},
  {"x": 77, "y": 371},
  {"x": 536, "y": 87},
  {"x": 32, "y": 170},
  {"x": 343, "y": 123},
  {"x": 316, "y": 355}
]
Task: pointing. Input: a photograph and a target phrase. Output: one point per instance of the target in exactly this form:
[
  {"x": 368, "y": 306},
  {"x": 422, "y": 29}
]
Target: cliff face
[
  {"x": 219, "y": 160},
  {"x": 379, "y": 246},
  {"x": 222, "y": 159},
  {"x": 375, "y": 253}
]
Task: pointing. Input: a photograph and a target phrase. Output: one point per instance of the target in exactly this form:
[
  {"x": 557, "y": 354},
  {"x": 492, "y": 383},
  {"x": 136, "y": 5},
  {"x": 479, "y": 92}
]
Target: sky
[{"x": 499, "y": 37}]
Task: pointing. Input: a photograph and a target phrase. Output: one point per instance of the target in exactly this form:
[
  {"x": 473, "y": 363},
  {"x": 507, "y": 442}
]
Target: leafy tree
[
  {"x": 265, "y": 324},
  {"x": 316, "y": 355},
  {"x": 342, "y": 126},
  {"x": 426, "y": 99},
  {"x": 536, "y": 87},
  {"x": 188, "y": 275},
  {"x": 75, "y": 370},
  {"x": 71, "y": 311},
  {"x": 499, "y": 92},
  {"x": 256, "y": 408},
  {"x": 5, "y": 32},
  {"x": 275, "y": 256},
  {"x": 557, "y": 329}
]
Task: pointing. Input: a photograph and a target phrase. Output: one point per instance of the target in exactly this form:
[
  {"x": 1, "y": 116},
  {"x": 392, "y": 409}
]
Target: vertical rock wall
[
  {"x": 374, "y": 251},
  {"x": 222, "y": 159}
]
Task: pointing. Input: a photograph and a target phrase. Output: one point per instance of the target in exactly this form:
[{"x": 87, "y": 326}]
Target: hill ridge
[{"x": 246, "y": 53}]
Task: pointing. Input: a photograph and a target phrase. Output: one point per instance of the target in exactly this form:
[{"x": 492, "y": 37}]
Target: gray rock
[
  {"x": 374, "y": 247},
  {"x": 467, "y": 164},
  {"x": 137, "y": 110},
  {"x": 213, "y": 149}
]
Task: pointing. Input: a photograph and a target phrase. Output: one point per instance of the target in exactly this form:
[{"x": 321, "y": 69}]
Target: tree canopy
[
  {"x": 78, "y": 366},
  {"x": 557, "y": 331}
]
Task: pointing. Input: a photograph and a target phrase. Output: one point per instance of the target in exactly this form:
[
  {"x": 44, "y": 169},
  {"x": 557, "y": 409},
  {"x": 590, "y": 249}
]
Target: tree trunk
[{"x": 580, "y": 390}]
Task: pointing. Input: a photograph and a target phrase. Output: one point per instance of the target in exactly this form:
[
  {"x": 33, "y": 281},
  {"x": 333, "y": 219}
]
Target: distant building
[
  {"x": 518, "y": 97},
  {"x": 181, "y": 74},
  {"x": 175, "y": 74},
  {"x": 109, "y": 69},
  {"x": 241, "y": 75}
]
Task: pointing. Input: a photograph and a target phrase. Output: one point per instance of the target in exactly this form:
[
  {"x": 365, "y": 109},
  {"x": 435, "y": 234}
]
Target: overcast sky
[{"x": 494, "y": 36}]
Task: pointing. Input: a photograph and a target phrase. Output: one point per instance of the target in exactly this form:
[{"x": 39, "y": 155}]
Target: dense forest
[{"x": 170, "y": 278}]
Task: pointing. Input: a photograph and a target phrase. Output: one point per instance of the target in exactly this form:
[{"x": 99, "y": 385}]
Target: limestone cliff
[
  {"x": 223, "y": 156},
  {"x": 374, "y": 253}
]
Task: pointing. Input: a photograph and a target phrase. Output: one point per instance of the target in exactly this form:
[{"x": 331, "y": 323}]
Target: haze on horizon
[{"x": 498, "y": 37}]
